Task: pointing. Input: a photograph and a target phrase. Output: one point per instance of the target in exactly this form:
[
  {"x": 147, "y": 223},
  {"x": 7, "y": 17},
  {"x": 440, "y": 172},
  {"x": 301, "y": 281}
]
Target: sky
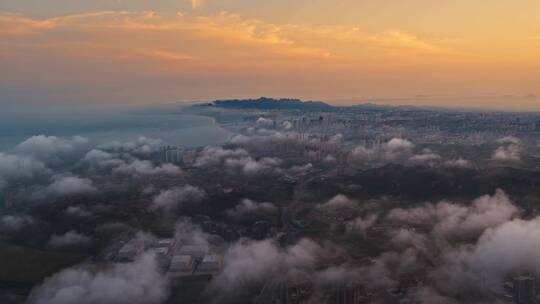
[{"x": 458, "y": 53}]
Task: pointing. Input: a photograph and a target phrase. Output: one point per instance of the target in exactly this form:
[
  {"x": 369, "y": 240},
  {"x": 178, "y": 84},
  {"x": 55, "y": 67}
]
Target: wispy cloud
[
  {"x": 212, "y": 48},
  {"x": 197, "y": 3}
]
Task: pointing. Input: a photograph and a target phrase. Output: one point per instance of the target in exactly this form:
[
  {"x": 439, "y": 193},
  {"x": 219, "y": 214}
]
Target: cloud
[
  {"x": 362, "y": 224},
  {"x": 509, "y": 151},
  {"x": 249, "y": 166},
  {"x": 217, "y": 155},
  {"x": 100, "y": 39},
  {"x": 248, "y": 207},
  {"x": 239, "y": 139},
  {"x": 509, "y": 140},
  {"x": 501, "y": 251},
  {"x": 459, "y": 163},
  {"x": 237, "y": 159},
  {"x": 396, "y": 149},
  {"x": 361, "y": 153},
  {"x": 68, "y": 240},
  {"x": 264, "y": 122},
  {"x": 337, "y": 276},
  {"x": 451, "y": 220},
  {"x": 340, "y": 202},
  {"x": 197, "y": 3},
  {"x": 403, "y": 238},
  {"x": 249, "y": 262},
  {"x": 102, "y": 159},
  {"x": 294, "y": 38},
  {"x": 287, "y": 125},
  {"x": 428, "y": 295},
  {"x": 67, "y": 185},
  {"x": 189, "y": 233},
  {"x": 301, "y": 169},
  {"x": 13, "y": 223},
  {"x": 399, "y": 144},
  {"x": 44, "y": 147},
  {"x": 77, "y": 211},
  {"x": 14, "y": 167},
  {"x": 261, "y": 136},
  {"x": 171, "y": 199},
  {"x": 145, "y": 167},
  {"x": 134, "y": 283},
  {"x": 428, "y": 159}
]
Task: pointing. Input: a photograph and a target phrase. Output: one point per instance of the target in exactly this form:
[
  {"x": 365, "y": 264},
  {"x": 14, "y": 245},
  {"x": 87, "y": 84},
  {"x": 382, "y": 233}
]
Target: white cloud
[
  {"x": 509, "y": 140},
  {"x": 339, "y": 201},
  {"x": 135, "y": 283},
  {"x": 264, "y": 122},
  {"x": 145, "y": 167},
  {"x": 458, "y": 220},
  {"x": 428, "y": 159},
  {"x": 287, "y": 125},
  {"x": 509, "y": 248},
  {"x": 507, "y": 153},
  {"x": 459, "y": 163},
  {"x": 102, "y": 159},
  {"x": 66, "y": 185},
  {"x": 15, "y": 167},
  {"x": 248, "y": 206},
  {"x": 510, "y": 149},
  {"x": 44, "y": 147},
  {"x": 399, "y": 144},
  {"x": 249, "y": 166},
  {"x": 247, "y": 262},
  {"x": 170, "y": 200},
  {"x": 362, "y": 224},
  {"x": 217, "y": 155},
  {"x": 68, "y": 239},
  {"x": 394, "y": 150}
]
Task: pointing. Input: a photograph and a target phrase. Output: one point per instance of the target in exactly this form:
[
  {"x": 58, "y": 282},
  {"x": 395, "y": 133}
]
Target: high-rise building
[
  {"x": 524, "y": 290},
  {"x": 171, "y": 154},
  {"x": 297, "y": 293},
  {"x": 349, "y": 294}
]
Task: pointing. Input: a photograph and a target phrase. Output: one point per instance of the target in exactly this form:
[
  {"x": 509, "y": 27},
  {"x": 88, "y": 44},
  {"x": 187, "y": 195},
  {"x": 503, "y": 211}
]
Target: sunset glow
[{"x": 449, "y": 53}]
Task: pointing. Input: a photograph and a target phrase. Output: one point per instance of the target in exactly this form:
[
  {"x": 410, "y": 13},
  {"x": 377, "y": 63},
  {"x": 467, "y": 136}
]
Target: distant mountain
[
  {"x": 265, "y": 103},
  {"x": 271, "y": 103}
]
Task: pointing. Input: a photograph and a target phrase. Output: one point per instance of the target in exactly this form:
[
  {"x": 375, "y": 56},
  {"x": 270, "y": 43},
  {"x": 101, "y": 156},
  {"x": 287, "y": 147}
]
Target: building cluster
[
  {"x": 176, "y": 258},
  {"x": 177, "y": 155},
  {"x": 372, "y": 126},
  {"x": 290, "y": 292}
]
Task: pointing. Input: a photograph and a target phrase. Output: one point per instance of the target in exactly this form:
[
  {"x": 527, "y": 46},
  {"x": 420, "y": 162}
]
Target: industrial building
[
  {"x": 211, "y": 264},
  {"x": 130, "y": 251},
  {"x": 195, "y": 251},
  {"x": 181, "y": 265}
]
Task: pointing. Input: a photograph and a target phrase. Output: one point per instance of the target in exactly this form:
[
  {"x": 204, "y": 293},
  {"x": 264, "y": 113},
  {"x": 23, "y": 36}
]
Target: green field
[{"x": 31, "y": 266}]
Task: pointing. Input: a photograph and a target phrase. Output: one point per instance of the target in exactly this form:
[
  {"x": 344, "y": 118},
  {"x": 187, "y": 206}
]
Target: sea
[{"x": 107, "y": 126}]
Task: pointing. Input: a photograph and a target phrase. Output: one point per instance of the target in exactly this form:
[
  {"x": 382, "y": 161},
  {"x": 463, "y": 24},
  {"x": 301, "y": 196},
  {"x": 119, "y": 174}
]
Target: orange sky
[{"x": 448, "y": 53}]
